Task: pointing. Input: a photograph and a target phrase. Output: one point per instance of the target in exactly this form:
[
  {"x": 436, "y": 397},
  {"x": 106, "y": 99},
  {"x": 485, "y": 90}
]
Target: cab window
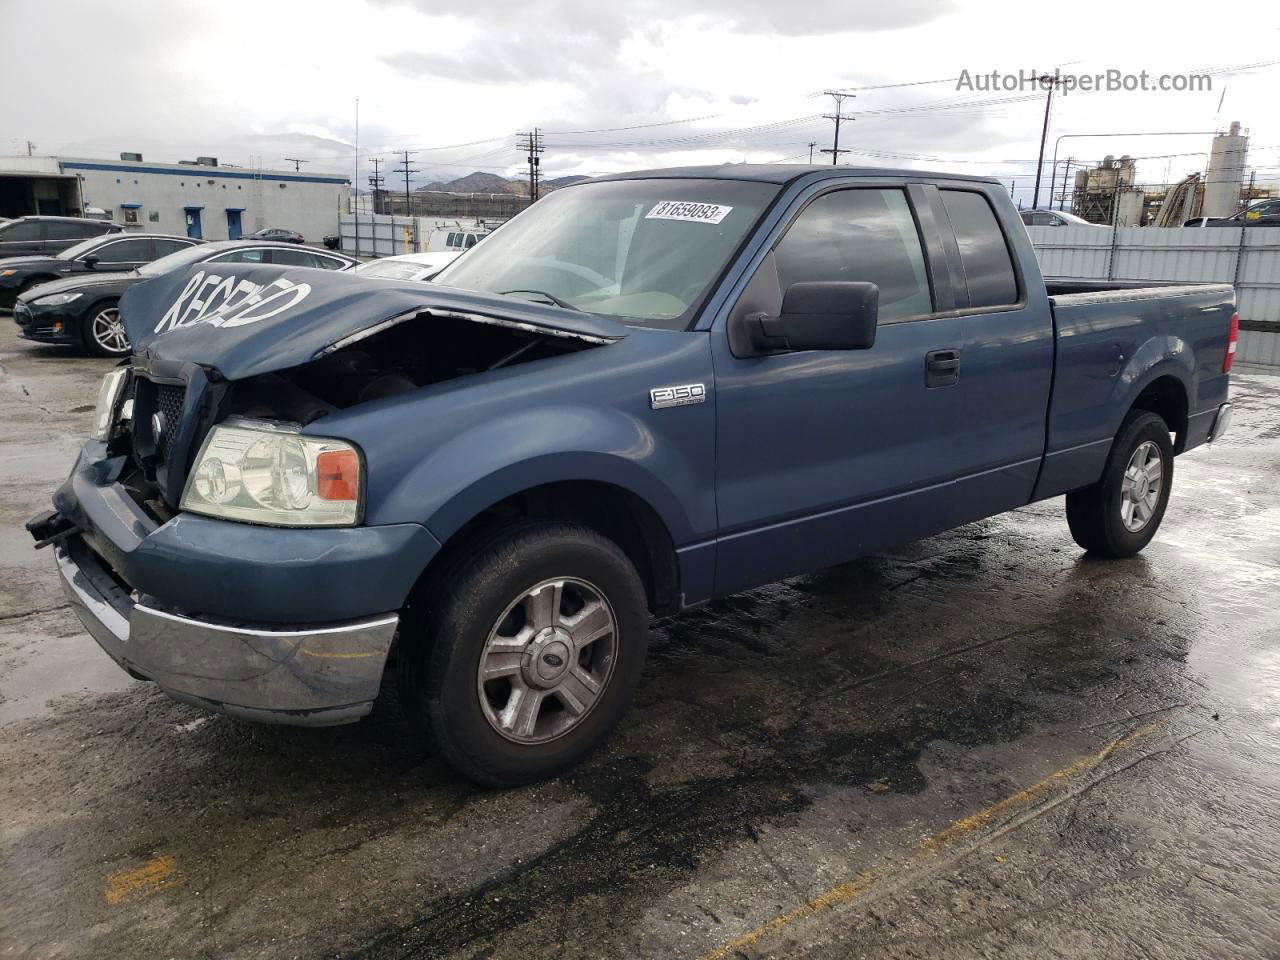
[{"x": 860, "y": 235}]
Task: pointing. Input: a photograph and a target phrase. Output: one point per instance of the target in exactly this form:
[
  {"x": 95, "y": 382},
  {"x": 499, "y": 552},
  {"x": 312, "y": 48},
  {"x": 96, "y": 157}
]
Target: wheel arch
[
  {"x": 610, "y": 509},
  {"x": 1165, "y": 393}
]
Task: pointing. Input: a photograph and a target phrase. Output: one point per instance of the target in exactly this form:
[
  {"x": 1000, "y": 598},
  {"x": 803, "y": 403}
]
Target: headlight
[
  {"x": 270, "y": 473},
  {"x": 104, "y": 413},
  {"x": 57, "y": 299}
]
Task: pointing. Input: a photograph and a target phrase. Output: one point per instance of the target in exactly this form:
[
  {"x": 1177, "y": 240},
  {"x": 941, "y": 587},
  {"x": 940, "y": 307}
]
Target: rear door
[
  {"x": 22, "y": 238},
  {"x": 61, "y": 234},
  {"x": 163, "y": 246},
  {"x": 827, "y": 455},
  {"x": 1006, "y": 351}
]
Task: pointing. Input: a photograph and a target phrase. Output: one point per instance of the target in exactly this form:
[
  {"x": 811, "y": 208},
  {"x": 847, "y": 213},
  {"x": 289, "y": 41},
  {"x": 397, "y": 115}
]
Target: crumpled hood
[{"x": 244, "y": 320}]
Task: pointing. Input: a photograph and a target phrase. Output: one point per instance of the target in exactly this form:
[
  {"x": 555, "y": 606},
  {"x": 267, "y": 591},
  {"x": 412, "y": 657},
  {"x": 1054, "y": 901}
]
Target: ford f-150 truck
[{"x": 646, "y": 391}]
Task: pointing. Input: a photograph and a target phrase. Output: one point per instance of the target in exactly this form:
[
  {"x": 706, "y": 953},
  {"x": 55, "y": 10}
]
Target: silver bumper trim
[
  {"x": 309, "y": 676},
  {"x": 1221, "y": 423}
]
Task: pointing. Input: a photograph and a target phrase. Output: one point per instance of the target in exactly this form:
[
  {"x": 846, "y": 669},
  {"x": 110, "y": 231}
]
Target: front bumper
[
  {"x": 45, "y": 325},
  {"x": 317, "y": 676}
]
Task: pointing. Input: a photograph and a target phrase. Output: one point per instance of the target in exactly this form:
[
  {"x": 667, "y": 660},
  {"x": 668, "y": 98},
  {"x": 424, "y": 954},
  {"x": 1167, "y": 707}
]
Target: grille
[{"x": 169, "y": 406}]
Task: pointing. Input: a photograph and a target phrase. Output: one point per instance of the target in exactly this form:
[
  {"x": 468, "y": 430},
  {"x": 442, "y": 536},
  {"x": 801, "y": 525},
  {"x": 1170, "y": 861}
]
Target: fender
[
  {"x": 1158, "y": 357},
  {"x": 479, "y": 467}
]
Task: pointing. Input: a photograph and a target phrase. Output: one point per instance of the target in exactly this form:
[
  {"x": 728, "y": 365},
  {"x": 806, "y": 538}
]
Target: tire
[
  {"x": 523, "y": 605},
  {"x": 102, "y": 330},
  {"x": 1105, "y": 519}
]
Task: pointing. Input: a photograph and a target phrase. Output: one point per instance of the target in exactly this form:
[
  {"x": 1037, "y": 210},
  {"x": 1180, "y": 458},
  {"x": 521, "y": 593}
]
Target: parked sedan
[
  {"x": 1264, "y": 213},
  {"x": 45, "y": 236},
  {"x": 108, "y": 254},
  {"x": 409, "y": 266},
  {"x": 1054, "y": 218},
  {"x": 84, "y": 311},
  {"x": 277, "y": 235}
]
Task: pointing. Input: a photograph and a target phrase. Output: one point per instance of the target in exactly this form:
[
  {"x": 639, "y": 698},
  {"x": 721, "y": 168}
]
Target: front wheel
[
  {"x": 104, "y": 331},
  {"x": 1118, "y": 515},
  {"x": 528, "y": 654}
]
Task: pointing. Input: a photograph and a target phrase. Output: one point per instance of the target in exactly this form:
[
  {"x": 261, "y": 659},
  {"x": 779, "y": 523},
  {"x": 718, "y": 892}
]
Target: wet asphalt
[{"x": 982, "y": 744}]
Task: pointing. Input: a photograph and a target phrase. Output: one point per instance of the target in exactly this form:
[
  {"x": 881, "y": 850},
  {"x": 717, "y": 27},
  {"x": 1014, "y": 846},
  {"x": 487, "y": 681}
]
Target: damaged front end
[{"x": 280, "y": 618}]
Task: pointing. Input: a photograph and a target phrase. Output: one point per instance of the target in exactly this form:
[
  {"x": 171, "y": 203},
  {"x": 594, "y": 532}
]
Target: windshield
[
  {"x": 644, "y": 251},
  {"x": 81, "y": 248},
  {"x": 392, "y": 270},
  {"x": 175, "y": 261}
]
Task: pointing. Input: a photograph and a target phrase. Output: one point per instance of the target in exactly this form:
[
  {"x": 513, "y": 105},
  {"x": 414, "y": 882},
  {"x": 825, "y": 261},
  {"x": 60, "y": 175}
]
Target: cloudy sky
[{"x": 617, "y": 86}]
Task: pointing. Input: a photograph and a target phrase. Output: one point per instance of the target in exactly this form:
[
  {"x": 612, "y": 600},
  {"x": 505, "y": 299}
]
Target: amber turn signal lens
[{"x": 338, "y": 475}]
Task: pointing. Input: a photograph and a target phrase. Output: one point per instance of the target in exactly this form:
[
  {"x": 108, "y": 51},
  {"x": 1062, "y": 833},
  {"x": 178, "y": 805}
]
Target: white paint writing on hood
[{"x": 230, "y": 302}]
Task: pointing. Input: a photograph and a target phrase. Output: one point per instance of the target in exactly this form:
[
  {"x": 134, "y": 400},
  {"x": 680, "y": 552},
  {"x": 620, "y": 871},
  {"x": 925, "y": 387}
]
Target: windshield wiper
[{"x": 550, "y": 297}]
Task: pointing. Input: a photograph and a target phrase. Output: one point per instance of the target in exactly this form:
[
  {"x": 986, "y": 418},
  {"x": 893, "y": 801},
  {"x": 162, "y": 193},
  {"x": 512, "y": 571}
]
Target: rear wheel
[
  {"x": 104, "y": 331},
  {"x": 528, "y": 654},
  {"x": 1118, "y": 515}
]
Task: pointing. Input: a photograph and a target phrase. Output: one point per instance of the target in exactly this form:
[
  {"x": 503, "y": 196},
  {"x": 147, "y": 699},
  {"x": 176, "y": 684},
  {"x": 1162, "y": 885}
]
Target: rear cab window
[{"x": 984, "y": 251}]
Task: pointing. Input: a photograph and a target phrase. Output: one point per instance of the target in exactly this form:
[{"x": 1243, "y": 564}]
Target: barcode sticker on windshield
[{"x": 683, "y": 210}]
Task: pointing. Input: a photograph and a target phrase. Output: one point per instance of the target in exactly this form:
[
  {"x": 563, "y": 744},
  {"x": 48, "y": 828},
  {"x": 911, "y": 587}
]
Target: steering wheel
[{"x": 575, "y": 270}]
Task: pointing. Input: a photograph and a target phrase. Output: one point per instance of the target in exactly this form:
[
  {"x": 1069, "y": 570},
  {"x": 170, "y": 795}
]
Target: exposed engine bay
[{"x": 414, "y": 353}]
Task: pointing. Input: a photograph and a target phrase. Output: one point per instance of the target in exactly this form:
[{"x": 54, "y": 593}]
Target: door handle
[{"x": 941, "y": 368}]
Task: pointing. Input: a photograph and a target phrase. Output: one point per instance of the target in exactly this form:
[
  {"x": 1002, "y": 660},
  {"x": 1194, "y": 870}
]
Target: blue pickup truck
[{"x": 646, "y": 391}]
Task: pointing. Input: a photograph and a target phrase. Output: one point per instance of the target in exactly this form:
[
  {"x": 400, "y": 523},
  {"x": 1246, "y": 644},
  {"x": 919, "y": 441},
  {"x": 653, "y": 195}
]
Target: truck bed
[{"x": 1111, "y": 336}]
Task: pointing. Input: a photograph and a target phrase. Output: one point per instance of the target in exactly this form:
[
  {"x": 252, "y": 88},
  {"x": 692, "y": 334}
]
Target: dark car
[
  {"x": 1265, "y": 213},
  {"x": 109, "y": 254},
  {"x": 277, "y": 235},
  {"x": 83, "y": 310},
  {"x": 33, "y": 236}
]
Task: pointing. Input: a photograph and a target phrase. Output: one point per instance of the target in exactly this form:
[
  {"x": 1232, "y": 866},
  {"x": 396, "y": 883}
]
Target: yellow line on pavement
[
  {"x": 145, "y": 880},
  {"x": 852, "y": 889}
]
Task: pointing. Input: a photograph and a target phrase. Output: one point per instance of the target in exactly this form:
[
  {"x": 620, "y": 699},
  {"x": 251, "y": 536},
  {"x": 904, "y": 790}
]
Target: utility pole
[
  {"x": 297, "y": 164},
  {"x": 1050, "y": 81},
  {"x": 31, "y": 149},
  {"x": 532, "y": 145},
  {"x": 1066, "y": 176},
  {"x": 406, "y": 170},
  {"x": 839, "y": 98},
  {"x": 375, "y": 181},
  {"x": 811, "y": 146}
]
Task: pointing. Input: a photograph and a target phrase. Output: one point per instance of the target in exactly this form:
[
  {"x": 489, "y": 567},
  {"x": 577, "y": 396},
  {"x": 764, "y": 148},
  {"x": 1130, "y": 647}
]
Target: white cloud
[{"x": 247, "y": 80}]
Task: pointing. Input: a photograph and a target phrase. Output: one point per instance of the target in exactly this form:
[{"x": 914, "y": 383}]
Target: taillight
[{"x": 1233, "y": 335}]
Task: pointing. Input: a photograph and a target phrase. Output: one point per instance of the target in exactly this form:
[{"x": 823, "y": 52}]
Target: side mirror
[
  {"x": 820, "y": 315},
  {"x": 91, "y": 261}
]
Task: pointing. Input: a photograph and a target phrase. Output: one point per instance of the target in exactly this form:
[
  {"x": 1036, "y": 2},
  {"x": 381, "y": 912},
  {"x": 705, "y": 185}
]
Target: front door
[
  {"x": 827, "y": 455},
  {"x": 233, "y": 225},
  {"x": 193, "y": 222}
]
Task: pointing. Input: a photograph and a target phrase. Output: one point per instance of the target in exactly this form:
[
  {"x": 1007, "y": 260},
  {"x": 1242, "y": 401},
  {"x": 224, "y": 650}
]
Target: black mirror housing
[
  {"x": 90, "y": 261},
  {"x": 821, "y": 315}
]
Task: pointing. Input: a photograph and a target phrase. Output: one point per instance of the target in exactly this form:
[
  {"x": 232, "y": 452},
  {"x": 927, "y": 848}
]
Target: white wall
[
  {"x": 308, "y": 203},
  {"x": 1248, "y": 257}
]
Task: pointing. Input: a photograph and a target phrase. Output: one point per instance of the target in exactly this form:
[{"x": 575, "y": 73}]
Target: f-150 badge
[{"x": 686, "y": 393}]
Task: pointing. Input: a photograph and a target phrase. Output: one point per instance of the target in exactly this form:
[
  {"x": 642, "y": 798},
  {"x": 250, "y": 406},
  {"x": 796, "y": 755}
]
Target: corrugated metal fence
[
  {"x": 1249, "y": 258},
  {"x": 379, "y": 236}
]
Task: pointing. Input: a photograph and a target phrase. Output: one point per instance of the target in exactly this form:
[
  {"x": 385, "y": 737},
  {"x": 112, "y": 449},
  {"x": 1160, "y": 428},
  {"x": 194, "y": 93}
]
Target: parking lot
[{"x": 983, "y": 744}]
